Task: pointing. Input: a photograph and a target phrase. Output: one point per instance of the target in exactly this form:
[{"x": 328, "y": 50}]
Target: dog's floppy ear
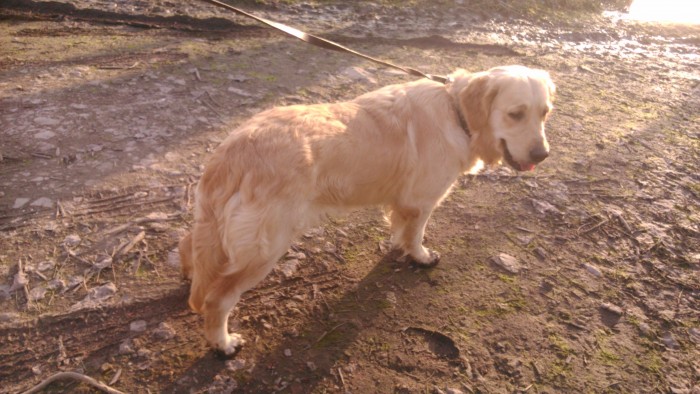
[{"x": 475, "y": 102}]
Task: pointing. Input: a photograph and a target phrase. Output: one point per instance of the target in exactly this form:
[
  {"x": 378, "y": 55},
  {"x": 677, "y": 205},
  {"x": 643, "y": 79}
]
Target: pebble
[
  {"x": 55, "y": 284},
  {"x": 612, "y": 308},
  {"x": 311, "y": 366},
  {"x": 289, "y": 268},
  {"x": 72, "y": 240},
  {"x": 508, "y": 263},
  {"x": 593, "y": 270},
  {"x": 37, "y": 294},
  {"x": 669, "y": 341},
  {"x": 126, "y": 347},
  {"x": 694, "y": 335},
  {"x": 646, "y": 330},
  {"x": 288, "y": 352},
  {"x": 358, "y": 74},
  {"x": 45, "y": 266},
  {"x": 46, "y": 121},
  {"x": 6, "y": 317},
  {"x": 453, "y": 391},
  {"x": 235, "y": 365},
  {"x": 138, "y": 326},
  {"x": 164, "y": 332},
  {"x": 43, "y": 202},
  {"x": 45, "y": 135},
  {"x": 20, "y": 202}
]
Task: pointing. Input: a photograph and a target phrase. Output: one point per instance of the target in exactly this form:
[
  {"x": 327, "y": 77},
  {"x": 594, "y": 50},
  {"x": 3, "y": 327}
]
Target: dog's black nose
[{"x": 538, "y": 154}]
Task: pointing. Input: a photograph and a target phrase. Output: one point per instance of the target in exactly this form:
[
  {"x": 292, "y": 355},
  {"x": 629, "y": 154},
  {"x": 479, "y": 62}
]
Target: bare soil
[{"x": 108, "y": 112}]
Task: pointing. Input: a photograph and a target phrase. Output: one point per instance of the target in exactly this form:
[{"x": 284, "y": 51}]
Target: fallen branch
[{"x": 72, "y": 375}]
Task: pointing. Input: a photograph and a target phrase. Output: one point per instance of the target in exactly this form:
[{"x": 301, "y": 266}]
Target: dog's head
[{"x": 506, "y": 109}]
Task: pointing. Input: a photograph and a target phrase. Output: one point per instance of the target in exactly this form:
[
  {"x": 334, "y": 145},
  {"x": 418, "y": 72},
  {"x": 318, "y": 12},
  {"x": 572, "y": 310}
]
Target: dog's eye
[{"x": 516, "y": 115}]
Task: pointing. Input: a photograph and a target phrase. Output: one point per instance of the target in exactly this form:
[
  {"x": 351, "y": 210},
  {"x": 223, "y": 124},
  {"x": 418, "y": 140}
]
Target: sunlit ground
[{"x": 675, "y": 11}]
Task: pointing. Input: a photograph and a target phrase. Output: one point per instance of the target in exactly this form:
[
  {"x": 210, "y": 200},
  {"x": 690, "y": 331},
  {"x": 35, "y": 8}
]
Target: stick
[{"x": 72, "y": 375}]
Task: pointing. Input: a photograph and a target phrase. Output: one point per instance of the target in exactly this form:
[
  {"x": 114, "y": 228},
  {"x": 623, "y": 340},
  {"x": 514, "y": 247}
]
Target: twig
[
  {"x": 116, "y": 377},
  {"x": 595, "y": 226},
  {"x": 72, "y": 375},
  {"x": 196, "y": 74},
  {"x": 326, "y": 334},
  {"x": 114, "y": 67},
  {"x": 130, "y": 245},
  {"x": 342, "y": 379}
]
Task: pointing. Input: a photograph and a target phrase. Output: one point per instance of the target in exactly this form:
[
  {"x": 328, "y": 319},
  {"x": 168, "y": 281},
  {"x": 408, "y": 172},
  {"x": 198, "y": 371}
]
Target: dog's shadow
[{"x": 311, "y": 351}]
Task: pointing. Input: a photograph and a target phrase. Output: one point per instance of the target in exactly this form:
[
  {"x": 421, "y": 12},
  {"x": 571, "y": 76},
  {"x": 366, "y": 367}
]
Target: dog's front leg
[{"x": 408, "y": 228}]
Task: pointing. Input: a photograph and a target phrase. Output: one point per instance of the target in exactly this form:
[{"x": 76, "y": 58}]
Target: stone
[
  {"x": 164, "y": 332},
  {"x": 138, "y": 326},
  {"x": 45, "y": 266},
  {"x": 288, "y": 352},
  {"x": 37, "y": 294},
  {"x": 235, "y": 365},
  {"x": 289, "y": 268},
  {"x": 508, "y": 263},
  {"x": 72, "y": 240},
  {"x": 43, "y": 202},
  {"x": 593, "y": 270},
  {"x": 20, "y": 202},
  {"x": 44, "y": 135}
]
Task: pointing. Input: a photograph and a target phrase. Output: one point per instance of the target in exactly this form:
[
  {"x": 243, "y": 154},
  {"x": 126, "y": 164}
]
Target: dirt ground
[{"x": 108, "y": 112}]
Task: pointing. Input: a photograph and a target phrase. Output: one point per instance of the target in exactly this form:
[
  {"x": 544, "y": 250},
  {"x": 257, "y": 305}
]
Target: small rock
[
  {"x": 46, "y": 121},
  {"x": 37, "y": 294},
  {"x": 72, "y": 240},
  {"x": 289, "y": 268},
  {"x": 43, "y": 202},
  {"x": 126, "y": 347},
  {"x": 144, "y": 353},
  {"x": 544, "y": 207},
  {"x": 45, "y": 135},
  {"x": 311, "y": 366},
  {"x": 669, "y": 341},
  {"x": 96, "y": 296},
  {"x": 646, "y": 330},
  {"x": 20, "y": 202},
  {"x": 329, "y": 248},
  {"x": 288, "y": 352},
  {"x": 239, "y": 92},
  {"x": 453, "y": 391},
  {"x": 19, "y": 281},
  {"x": 105, "y": 262},
  {"x": 508, "y": 263},
  {"x": 358, "y": 74},
  {"x": 45, "y": 266},
  {"x": 540, "y": 252},
  {"x": 593, "y": 270},
  {"x": 164, "y": 332},
  {"x": 4, "y": 292},
  {"x": 235, "y": 365},
  {"x": 138, "y": 326},
  {"x": 7, "y": 317},
  {"x": 612, "y": 308},
  {"x": 694, "y": 335},
  {"x": 55, "y": 284},
  {"x": 391, "y": 297}
]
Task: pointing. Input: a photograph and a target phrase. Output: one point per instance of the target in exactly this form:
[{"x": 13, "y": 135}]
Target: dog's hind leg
[{"x": 255, "y": 238}]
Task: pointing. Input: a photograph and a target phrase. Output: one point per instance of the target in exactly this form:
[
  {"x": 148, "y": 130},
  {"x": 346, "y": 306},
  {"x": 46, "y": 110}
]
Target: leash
[{"x": 327, "y": 44}]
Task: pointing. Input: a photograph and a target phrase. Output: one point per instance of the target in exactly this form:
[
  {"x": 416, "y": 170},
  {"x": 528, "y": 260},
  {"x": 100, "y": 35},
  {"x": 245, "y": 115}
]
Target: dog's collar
[
  {"x": 460, "y": 117},
  {"x": 455, "y": 104}
]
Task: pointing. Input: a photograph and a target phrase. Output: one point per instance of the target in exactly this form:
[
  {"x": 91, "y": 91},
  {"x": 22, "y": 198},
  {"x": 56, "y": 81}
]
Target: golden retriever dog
[{"x": 401, "y": 147}]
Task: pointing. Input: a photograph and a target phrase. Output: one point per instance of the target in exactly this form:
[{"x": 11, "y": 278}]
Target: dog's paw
[
  {"x": 430, "y": 262},
  {"x": 233, "y": 344}
]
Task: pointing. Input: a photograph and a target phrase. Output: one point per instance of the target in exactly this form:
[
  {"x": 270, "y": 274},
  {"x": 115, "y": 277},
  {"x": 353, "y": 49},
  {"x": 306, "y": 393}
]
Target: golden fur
[{"x": 401, "y": 147}]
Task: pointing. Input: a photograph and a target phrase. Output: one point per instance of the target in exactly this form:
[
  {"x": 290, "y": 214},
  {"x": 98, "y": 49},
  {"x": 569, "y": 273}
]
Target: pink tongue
[{"x": 527, "y": 167}]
